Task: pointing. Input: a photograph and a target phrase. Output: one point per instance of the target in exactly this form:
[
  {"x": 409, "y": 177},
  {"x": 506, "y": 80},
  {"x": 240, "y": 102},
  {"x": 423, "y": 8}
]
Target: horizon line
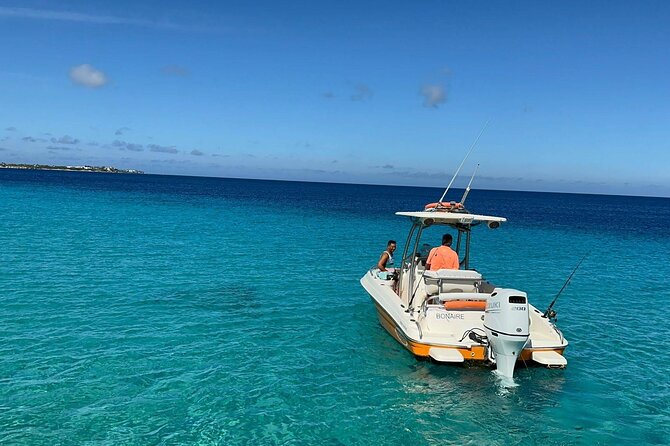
[
  {"x": 404, "y": 185},
  {"x": 352, "y": 183}
]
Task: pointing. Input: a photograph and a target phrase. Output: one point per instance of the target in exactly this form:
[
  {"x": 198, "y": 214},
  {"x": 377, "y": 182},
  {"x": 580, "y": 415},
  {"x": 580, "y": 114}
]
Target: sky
[{"x": 576, "y": 94}]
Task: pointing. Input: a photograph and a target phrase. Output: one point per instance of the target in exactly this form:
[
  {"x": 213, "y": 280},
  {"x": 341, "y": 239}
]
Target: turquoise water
[{"x": 177, "y": 310}]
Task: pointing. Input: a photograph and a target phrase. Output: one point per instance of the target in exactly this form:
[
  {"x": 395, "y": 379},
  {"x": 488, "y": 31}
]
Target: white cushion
[{"x": 453, "y": 274}]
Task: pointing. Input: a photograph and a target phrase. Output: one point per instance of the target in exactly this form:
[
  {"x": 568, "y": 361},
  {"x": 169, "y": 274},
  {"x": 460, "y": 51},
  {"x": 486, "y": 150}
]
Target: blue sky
[{"x": 577, "y": 93}]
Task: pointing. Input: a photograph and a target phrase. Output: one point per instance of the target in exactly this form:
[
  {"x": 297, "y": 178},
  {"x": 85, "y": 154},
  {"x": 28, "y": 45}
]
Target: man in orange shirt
[{"x": 442, "y": 257}]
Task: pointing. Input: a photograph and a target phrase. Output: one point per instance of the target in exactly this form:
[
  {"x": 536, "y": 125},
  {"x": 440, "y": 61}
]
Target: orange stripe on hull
[{"x": 475, "y": 353}]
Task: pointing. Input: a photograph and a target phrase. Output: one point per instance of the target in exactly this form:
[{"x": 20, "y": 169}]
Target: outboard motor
[{"x": 507, "y": 326}]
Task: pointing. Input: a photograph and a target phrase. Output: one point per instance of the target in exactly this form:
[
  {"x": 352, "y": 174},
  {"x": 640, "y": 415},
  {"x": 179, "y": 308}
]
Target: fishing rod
[
  {"x": 467, "y": 189},
  {"x": 549, "y": 309},
  {"x": 463, "y": 162}
]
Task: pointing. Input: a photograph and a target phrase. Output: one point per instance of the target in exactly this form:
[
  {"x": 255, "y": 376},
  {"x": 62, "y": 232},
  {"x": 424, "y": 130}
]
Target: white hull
[{"x": 432, "y": 330}]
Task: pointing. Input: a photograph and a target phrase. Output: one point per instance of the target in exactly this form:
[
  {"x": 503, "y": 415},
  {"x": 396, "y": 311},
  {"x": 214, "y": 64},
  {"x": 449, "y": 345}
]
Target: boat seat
[
  {"x": 453, "y": 274},
  {"x": 451, "y": 281}
]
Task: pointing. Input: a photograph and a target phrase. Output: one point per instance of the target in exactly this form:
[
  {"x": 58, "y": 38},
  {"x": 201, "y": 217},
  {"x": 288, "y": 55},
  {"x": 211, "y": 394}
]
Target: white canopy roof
[{"x": 451, "y": 217}]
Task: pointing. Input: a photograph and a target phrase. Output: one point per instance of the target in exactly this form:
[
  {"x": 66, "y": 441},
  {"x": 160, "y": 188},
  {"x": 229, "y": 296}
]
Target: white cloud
[
  {"x": 123, "y": 145},
  {"x": 87, "y": 76},
  {"x": 70, "y": 16},
  {"x": 66, "y": 139},
  {"x": 28, "y": 13},
  {"x": 434, "y": 95},
  {"x": 162, "y": 149},
  {"x": 175, "y": 70},
  {"x": 31, "y": 139},
  {"x": 363, "y": 93}
]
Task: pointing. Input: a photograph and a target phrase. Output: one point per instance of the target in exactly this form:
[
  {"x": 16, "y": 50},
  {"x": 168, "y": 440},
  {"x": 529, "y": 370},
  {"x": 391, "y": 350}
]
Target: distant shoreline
[
  {"x": 432, "y": 187},
  {"x": 102, "y": 169}
]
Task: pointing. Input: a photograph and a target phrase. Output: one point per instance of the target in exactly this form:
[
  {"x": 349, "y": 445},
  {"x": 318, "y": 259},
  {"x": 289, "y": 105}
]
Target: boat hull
[{"x": 421, "y": 349}]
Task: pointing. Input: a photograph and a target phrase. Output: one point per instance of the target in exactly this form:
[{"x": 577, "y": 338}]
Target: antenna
[
  {"x": 463, "y": 162},
  {"x": 467, "y": 189}
]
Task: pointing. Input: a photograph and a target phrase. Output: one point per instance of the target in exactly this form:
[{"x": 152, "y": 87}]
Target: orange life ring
[
  {"x": 479, "y": 305},
  {"x": 444, "y": 205}
]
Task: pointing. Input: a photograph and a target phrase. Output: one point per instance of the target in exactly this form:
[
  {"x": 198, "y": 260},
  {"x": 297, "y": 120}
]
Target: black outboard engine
[{"x": 507, "y": 326}]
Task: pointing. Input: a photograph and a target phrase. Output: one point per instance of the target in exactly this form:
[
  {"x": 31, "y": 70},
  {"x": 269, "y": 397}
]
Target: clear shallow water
[{"x": 168, "y": 310}]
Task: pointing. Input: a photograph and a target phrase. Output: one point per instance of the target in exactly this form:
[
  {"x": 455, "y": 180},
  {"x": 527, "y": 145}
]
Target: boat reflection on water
[{"x": 468, "y": 406}]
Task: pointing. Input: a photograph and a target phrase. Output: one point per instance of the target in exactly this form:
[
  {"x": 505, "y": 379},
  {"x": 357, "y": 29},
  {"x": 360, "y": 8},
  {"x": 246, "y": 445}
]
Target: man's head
[
  {"x": 391, "y": 246},
  {"x": 447, "y": 239}
]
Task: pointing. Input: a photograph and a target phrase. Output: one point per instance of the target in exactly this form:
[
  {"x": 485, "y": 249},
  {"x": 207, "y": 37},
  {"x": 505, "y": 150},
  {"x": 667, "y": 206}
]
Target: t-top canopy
[{"x": 451, "y": 217}]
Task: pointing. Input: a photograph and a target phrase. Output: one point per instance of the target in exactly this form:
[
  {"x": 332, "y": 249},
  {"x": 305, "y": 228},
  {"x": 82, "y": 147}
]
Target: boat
[{"x": 457, "y": 315}]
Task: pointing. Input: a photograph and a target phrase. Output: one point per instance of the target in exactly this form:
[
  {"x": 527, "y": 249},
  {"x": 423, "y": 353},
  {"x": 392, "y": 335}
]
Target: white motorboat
[{"x": 456, "y": 315}]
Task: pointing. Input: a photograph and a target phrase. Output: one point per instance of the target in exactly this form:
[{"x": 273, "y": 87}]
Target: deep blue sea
[{"x": 146, "y": 309}]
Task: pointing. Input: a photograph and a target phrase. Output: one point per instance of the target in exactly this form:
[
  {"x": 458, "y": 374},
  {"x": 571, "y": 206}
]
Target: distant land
[{"x": 105, "y": 169}]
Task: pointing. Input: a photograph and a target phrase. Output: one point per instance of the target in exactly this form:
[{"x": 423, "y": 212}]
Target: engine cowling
[{"x": 507, "y": 326}]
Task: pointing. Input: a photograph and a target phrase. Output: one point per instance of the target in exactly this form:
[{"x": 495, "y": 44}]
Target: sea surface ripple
[{"x": 178, "y": 310}]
